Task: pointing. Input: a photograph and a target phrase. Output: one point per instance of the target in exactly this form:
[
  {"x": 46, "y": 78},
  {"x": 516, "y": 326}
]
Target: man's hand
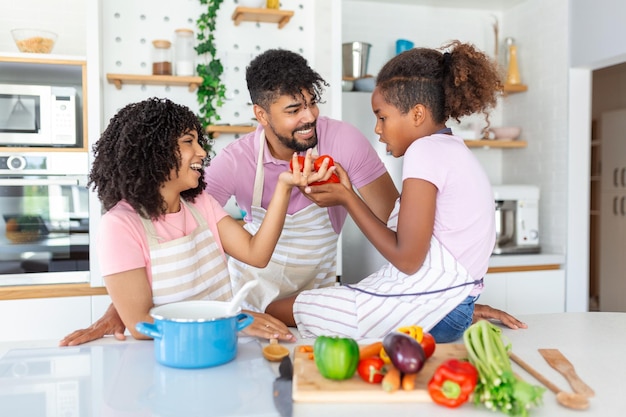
[
  {"x": 485, "y": 312},
  {"x": 109, "y": 324}
]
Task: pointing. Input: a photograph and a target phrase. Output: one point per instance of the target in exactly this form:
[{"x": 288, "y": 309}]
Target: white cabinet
[
  {"x": 49, "y": 318},
  {"x": 43, "y": 318},
  {"x": 526, "y": 292},
  {"x": 613, "y": 212}
]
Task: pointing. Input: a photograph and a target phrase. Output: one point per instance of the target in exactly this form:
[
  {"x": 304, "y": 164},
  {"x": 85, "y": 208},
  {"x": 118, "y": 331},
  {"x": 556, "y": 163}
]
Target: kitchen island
[{"x": 111, "y": 378}]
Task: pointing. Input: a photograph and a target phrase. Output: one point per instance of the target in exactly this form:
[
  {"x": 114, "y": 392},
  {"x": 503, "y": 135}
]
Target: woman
[{"x": 161, "y": 238}]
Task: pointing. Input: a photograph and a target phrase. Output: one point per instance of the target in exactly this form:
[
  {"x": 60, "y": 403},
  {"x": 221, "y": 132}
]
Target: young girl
[
  {"x": 161, "y": 238},
  {"x": 440, "y": 236}
]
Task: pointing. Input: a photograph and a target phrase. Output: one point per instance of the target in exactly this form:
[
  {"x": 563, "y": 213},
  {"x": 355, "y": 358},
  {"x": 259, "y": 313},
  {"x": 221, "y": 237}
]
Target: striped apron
[
  {"x": 189, "y": 268},
  {"x": 304, "y": 257},
  {"x": 388, "y": 298}
]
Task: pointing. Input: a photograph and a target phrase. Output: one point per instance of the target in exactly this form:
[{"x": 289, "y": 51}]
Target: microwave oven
[{"x": 39, "y": 116}]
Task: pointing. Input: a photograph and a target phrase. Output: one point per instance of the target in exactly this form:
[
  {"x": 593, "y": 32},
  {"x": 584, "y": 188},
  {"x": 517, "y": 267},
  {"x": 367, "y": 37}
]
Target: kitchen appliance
[
  {"x": 355, "y": 56},
  {"x": 44, "y": 218},
  {"x": 39, "y": 115},
  {"x": 517, "y": 219}
]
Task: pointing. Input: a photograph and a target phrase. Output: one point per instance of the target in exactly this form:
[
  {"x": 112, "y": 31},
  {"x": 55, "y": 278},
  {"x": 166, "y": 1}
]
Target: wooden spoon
[
  {"x": 275, "y": 352},
  {"x": 560, "y": 363},
  {"x": 566, "y": 399}
]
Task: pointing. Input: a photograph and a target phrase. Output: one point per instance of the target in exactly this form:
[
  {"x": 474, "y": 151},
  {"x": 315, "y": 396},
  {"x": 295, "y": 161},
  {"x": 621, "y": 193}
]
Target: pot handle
[
  {"x": 243, "y": 321},
  {"x": 149, "y": 329}
]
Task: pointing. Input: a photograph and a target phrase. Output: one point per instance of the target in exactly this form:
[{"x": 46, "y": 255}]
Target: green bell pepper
[{"x": 336, "y": 357}]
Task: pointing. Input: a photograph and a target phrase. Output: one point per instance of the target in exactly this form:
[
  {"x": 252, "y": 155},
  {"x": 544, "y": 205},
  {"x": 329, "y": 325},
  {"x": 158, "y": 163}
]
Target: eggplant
[{"x": 405, "y": 353}]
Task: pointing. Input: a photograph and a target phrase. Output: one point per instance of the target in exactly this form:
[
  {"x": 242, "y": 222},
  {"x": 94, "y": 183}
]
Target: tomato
[
  {"x": 336, "y": 357},
  {"x": 300, "y": 162},
  {"x": 428, "y": 344},
  {"x": 318, "y": 164},
  {"x": 371, "y": 369}
]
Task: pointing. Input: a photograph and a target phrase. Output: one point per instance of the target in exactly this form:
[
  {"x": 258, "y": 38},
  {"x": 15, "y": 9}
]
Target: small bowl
[
  {"x": 275, "y": 352},
  {"x": 506, "y": 132},
  {"x": 34, "y": 40},
  {"x": 347, "y": 85},
  {"x": 365, "y": 84}
]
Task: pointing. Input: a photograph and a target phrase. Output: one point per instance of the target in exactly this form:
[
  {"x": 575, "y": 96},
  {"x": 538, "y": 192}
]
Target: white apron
[
  {"x": 188, "y": 268},
  {"x": 388, "y": 298},
  {"x": 304, "y": 257}
]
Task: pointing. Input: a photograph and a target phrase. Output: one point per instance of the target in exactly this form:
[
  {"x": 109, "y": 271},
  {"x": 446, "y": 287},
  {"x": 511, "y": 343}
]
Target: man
[{"x": 285, "y": 93}]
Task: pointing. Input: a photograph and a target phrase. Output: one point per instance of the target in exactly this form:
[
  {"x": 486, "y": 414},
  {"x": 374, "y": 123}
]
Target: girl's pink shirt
[
  {"x": 122, "y": 242},
  {"x": 465, "y": 208}
]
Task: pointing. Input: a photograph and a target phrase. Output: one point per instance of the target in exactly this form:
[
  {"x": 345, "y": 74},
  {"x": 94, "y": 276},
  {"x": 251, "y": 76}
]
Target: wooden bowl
[{"x": 275, "y": 352}]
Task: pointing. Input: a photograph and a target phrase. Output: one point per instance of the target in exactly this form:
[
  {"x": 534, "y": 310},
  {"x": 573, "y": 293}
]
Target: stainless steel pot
[{"x": 355, "y": 57}]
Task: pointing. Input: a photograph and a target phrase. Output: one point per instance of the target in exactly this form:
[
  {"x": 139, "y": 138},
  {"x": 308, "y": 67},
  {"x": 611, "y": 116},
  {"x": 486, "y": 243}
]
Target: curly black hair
[
  {"x": 137, "y": 151},
  {"x": 278, "y": 72},
  {"x": 450, "y": 84}
]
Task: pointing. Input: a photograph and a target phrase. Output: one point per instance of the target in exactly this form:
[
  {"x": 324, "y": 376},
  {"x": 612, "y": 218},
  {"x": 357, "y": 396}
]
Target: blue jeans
[{"x": 452, "y": 326}]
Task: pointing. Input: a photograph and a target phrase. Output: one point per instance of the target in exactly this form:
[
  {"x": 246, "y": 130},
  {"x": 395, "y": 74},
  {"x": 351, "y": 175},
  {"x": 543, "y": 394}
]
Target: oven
[{"x": 44, "y": 218}]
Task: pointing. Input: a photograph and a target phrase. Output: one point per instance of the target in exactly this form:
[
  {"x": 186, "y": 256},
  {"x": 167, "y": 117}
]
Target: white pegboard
[{"x": 128, "y": 29}]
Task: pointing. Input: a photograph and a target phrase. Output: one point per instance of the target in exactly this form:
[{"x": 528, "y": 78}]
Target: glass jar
[
  {"x": 184, "y": 52},
  {"x": 161, "y": 57},
  {"x": 273, "y": 4}
]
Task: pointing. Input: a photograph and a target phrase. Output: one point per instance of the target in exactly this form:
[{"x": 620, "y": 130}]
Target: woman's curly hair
[
  {"x": 278, "y": 72},
  {"x": 450, "y": 84},
  {"x": 137, "y": 151}
]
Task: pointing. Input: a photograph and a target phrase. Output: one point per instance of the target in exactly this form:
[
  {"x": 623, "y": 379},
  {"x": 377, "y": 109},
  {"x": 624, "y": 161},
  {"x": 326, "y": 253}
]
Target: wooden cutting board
[{"x": 310, "y": 386}]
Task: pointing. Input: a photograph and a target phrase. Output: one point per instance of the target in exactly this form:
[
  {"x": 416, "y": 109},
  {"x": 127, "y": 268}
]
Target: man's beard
[{"x": 292, "y": 143}]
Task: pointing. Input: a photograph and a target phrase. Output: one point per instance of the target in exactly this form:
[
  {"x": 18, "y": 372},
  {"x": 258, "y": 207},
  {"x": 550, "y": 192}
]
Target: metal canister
[{"x": 354, "y": 59}]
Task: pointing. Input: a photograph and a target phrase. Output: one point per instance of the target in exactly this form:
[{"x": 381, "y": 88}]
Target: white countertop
[
  {"x": 122, "y": 378},
  {"x": 527, "y": 259}
]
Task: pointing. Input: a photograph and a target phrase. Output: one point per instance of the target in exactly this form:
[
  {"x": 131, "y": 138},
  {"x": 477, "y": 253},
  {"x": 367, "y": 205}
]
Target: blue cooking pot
[{"x": 194, "y": 334}]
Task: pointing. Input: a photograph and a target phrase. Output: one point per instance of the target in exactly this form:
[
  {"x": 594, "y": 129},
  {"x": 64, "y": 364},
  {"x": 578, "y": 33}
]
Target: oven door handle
[{"x": 18, "y": 182}]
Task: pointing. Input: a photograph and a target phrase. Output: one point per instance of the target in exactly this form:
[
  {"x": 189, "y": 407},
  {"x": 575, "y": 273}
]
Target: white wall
[
  {"x": 542, "y": 111},
  {"x": 597, "y": 33}
]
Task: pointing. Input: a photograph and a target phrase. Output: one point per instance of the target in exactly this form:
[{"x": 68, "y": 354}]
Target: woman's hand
[
  {"x": 268, "y": 327},
  {"x": 303, "y": 172},
  {"x": 109, "y": 324}
]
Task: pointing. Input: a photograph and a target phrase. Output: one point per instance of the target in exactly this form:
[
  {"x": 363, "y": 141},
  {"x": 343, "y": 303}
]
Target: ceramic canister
[{"x": 194, "y": 334}]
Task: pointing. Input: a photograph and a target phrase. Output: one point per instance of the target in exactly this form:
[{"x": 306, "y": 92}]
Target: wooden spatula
[{"x": 559, "y": 362}]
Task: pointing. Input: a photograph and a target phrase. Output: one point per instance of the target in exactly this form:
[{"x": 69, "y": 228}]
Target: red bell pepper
[{"x": 453, "y": 382}]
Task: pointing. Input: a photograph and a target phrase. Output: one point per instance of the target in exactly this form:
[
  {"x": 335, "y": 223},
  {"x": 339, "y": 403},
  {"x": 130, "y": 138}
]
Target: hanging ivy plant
[{"x": 212, "y": 92}]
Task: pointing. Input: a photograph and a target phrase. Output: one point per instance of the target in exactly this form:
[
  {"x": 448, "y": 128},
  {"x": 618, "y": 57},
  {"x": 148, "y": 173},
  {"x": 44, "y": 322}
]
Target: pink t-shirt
[
  {"x": 465, "y": 211},
  {"x": 233, "y": 170},
  {"x": 122, "y": 242}
]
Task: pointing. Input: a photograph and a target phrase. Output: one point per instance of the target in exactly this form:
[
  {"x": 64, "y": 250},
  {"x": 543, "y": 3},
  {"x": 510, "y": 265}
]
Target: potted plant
[{"x": 212, "y": 92}]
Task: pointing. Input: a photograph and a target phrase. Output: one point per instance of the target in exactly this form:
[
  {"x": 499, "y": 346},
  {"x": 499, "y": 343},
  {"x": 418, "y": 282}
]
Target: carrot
[
  {"x": 408, "y": 381},
  {"x": 391, "y": 380},
  {"x": 306, "y": 348},
  {"x": 373, "y": 349}
]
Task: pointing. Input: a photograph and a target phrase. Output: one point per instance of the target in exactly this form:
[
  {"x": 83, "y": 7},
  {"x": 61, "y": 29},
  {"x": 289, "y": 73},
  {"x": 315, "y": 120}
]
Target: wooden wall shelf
[
  {"x": 515, "y": 88},
  {"x": 250, "y": 14},
  {"x": 171, "y": 80},
  {"x": 484, "y": 143},
  {"x": 230, "y": 129}
]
